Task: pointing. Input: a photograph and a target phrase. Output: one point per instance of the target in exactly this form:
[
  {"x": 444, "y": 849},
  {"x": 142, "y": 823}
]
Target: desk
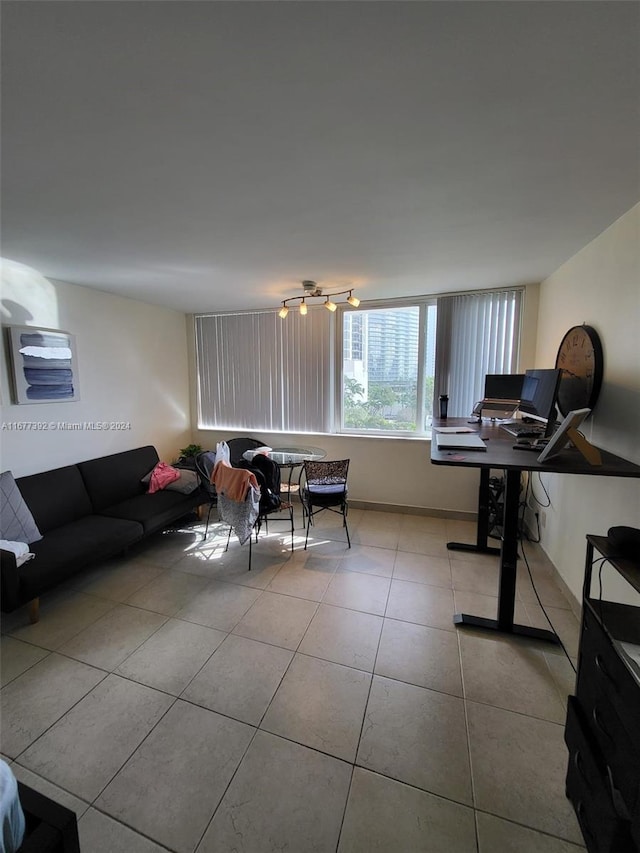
[{"x": 500, "y": 454}]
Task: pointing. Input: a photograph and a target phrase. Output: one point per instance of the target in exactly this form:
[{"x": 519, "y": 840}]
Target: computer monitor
[
  {"x": 539, "y": 392},
  {"x": 503, "y": 386}
]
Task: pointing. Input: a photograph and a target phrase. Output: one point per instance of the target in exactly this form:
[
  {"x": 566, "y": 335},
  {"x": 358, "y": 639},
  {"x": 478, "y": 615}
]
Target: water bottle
[{"x": 444, "y": 405}]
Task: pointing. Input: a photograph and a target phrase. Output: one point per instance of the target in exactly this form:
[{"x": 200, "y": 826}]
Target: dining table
[{"x": 292, "y": 457}]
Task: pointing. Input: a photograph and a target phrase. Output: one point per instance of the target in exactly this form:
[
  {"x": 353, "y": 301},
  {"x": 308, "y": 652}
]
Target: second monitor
[{"x": 539, "y": 394}]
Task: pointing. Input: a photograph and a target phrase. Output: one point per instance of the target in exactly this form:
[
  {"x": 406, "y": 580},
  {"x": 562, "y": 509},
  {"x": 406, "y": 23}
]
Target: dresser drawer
[
  {"x": 601, "y": 667},
  {"x": 584, "y": 755},
  {"x": 635, "y": 829},
  {"x": 621, "y": 759},
  {"x": 603, "y": 830}
]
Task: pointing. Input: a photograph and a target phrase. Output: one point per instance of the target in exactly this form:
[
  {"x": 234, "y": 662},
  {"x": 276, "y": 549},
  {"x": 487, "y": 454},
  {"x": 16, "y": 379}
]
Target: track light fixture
[{"x": 312, "y": 291}]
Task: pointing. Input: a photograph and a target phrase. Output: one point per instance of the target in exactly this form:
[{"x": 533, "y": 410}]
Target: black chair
[
  {"x": 238, "y": 446},
  {"x": 205, "y": 463},
  {"x": 325, "y": 487}
]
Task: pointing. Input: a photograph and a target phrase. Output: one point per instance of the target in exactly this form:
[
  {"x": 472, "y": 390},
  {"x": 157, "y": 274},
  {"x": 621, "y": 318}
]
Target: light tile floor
[{"x": 323, "y": 701}]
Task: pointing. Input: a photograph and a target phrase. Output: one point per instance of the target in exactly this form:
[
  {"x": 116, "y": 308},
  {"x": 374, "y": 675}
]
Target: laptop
[{"x": 459, "y": 441}]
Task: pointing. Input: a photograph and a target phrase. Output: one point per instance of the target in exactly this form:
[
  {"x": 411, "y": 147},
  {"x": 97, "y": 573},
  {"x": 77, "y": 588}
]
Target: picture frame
[
  {"x": 565, "y": 434},
  {"x": 44, "y": 365}
]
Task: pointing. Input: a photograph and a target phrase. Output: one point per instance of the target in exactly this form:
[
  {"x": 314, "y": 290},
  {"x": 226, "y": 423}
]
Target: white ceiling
[{"x": 211, "y": 155}]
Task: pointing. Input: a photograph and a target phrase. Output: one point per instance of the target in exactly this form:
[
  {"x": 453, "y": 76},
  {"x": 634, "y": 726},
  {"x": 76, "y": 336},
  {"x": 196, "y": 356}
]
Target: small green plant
[{"x": 190, "y": 450}]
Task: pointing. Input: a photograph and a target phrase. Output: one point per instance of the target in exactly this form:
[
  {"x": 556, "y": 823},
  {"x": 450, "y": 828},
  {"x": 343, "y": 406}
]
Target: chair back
[
  {"x": 323, "y": 473},
  {"x": 238, "y": 446},
  {"x": 205, "y": 463}
]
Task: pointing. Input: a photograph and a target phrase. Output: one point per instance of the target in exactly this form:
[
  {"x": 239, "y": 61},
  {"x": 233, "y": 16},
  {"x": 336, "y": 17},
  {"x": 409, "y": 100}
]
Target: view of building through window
[{"x": 388, "y": 368}]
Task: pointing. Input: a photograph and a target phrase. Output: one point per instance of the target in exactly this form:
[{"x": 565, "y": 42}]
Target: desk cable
[
  {"x": 546, "y": 615},
  {"x": 601, "y": 562},
  {"x": 530, "y": 493}
]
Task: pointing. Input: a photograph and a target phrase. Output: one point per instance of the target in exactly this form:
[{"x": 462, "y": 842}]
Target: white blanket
[{"x": 20, "y": 549}]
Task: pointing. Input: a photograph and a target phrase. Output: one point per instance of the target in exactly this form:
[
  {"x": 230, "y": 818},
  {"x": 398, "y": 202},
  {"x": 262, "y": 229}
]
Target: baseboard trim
[{"x": 432, "y": 512}]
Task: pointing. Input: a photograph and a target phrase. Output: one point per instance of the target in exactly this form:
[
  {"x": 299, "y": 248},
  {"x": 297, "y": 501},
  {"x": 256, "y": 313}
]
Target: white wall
[
  {"x": 133, "y": 367},
  {"x": 599, "y": 286}
]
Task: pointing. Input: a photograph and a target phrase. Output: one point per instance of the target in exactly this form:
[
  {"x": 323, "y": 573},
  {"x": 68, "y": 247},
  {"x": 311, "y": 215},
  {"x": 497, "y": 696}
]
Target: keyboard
[{"x": 522, "y": 430}]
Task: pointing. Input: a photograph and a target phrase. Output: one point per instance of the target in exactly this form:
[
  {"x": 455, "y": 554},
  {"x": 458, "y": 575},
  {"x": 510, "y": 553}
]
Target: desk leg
[
  {"x": 482, "y": 534},
  {"x": 508, "y": 574}
]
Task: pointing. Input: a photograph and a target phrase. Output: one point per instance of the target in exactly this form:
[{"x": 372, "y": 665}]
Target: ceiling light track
[{"x": 312, "y": 291}]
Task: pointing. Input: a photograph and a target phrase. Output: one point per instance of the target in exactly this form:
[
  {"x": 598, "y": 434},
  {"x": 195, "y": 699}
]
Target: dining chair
[
  {"x": 238, "y": 446},
  {"x": 325, "y": 487}
]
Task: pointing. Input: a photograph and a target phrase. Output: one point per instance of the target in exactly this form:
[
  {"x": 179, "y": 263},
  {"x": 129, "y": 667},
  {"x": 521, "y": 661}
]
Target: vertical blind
[
  {"x": 477, "y": 333},
  {"x": 256, "y": 371}
]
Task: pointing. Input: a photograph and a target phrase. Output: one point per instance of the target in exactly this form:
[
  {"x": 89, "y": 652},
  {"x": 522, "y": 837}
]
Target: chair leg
[
  {"x": 344, "y": 521},
  {"x": 228, "y": 538},
  {"x": 291, "y": 517},
  {"x": 308, "y": 526},
  {"x": 345, "y": 510},
  {"x": 206, "y": 529}
]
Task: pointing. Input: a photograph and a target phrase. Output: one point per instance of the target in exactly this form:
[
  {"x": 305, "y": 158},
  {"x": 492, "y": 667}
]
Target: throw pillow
[
  {"x": 188, "y": 482},
  {"x": 16, "y": 523}
]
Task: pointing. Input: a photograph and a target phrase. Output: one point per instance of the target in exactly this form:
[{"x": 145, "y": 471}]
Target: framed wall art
[{"x": 44, "y": 365}]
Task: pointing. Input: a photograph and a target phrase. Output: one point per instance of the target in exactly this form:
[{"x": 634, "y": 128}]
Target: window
[
  {"x": 387, "y": 378},
  {"x": 258, "y": 372}
]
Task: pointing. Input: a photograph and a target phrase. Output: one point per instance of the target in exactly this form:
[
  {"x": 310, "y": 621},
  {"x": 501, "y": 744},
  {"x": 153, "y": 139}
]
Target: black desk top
[{"x": 501, "y": 454}]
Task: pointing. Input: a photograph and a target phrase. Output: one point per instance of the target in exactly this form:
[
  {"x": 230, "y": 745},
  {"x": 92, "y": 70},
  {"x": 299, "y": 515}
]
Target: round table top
[{"x": 291, "y": 455}]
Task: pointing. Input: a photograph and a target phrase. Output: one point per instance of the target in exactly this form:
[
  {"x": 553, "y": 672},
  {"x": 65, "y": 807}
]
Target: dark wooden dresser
[{"x": 603, "y": 718}]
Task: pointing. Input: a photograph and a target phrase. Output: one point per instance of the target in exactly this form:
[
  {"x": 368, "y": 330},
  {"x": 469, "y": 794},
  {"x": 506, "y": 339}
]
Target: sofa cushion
[
  {"x": 55, "y": 497},
  {"x": 115, "y": 478},
  {"x": 16, "y": 521},
  {"x": 156, "y": 511},
  {"x": 70, "y": 548}
]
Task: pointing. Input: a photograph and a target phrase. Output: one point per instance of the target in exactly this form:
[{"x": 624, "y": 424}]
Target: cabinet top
[{"x": 628, "y": 568}]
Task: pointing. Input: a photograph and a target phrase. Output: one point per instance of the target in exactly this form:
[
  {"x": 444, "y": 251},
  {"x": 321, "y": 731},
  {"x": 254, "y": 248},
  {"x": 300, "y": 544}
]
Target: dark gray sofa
[{"x": 86, "y": 513}]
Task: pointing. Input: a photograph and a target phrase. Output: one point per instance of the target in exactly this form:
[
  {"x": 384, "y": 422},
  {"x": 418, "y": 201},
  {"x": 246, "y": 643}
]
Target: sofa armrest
[
  {"x": 49, "y": 826},
  {"x": 9, "y": 581}
]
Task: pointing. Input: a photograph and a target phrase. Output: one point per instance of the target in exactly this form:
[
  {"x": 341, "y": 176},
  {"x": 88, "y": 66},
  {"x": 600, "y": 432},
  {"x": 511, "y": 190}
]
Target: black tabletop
[{"x": 500, "y": 453}]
